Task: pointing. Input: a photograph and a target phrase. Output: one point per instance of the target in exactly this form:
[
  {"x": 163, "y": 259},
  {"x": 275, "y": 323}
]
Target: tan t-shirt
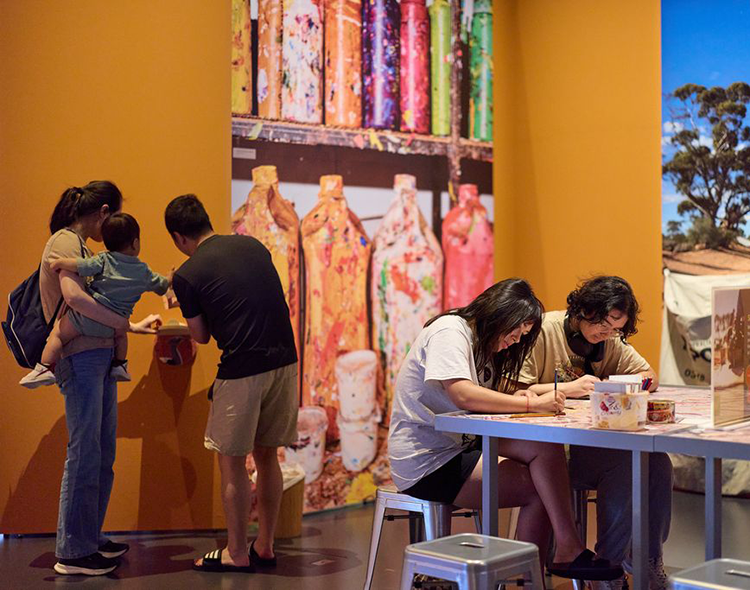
[
  {"x": 552, "y": 351},
  {"x": 64, "y": 244}
]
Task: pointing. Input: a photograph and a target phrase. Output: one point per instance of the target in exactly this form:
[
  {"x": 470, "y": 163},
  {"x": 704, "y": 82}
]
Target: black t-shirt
[{"x": 233, "y": 283}]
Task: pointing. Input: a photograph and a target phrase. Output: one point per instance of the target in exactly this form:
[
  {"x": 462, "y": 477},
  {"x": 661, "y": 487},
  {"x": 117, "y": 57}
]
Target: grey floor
[{"x": 330, "y": 555}]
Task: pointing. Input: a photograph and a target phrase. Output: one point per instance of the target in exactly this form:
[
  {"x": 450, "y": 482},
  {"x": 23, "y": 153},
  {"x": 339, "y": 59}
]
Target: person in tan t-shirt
[{"x": 585, "y": 344}]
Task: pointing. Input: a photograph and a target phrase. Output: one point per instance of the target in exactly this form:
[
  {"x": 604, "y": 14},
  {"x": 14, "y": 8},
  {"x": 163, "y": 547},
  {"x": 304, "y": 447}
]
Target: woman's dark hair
[
  {"x": 119, "y": 231},
  {"x": 79, "y": 201},
  {"x": 186, "y": 216},
  {"x": 498, "y": 311},
  {"x": 595, "y": 298}
]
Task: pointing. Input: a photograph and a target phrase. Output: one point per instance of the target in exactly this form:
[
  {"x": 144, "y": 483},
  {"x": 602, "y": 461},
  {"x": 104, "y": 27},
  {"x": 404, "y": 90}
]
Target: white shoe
[
  {"x": 120, "y": 372},
  {"x": 40, "y": 375}
]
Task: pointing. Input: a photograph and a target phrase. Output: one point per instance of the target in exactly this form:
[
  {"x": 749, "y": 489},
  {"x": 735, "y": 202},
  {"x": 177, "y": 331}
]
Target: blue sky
[{"x": 704, "y": 42}]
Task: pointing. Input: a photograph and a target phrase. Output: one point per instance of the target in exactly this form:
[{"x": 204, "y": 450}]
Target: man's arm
[
  {"x": 198, "y": 329},
  {"x": 69, "y": 264}
]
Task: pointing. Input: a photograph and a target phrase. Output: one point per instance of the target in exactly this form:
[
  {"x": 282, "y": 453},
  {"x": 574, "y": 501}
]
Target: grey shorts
[
  {"x": 88, "y": 327},
  {"x": 260, "y": 409}
]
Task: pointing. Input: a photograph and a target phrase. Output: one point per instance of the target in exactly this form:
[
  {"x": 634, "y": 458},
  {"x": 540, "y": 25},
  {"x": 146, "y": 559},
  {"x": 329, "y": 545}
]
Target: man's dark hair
[
  {"x": 119, "y": 231},
  {"x": 595, "y": 298},
  {"x": 186, "y": 216}
]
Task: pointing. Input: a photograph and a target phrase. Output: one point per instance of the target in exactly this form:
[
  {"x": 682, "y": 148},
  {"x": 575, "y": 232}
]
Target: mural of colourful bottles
[
  {"x": 270, "y": 15},
  {"x": 440, "y": 66},
  {"x": 380, "y": 63},
  {"x": 406, "y": 288},
  {"x": 468, "y": 248},
  {"x": 337, "y": 254},
  {"x": 480, "y": 72},
  {"x": 415, "y": 67},
  {"x": 272, "y": 220},
  {"x": 242, "y": 59},
  {"x": 302, "y": 62},
  {"x": 343, "y": 61}
]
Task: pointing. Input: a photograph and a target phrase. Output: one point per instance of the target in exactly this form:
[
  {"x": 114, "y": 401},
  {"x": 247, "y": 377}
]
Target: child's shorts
[{"x": 88, "y": 327}]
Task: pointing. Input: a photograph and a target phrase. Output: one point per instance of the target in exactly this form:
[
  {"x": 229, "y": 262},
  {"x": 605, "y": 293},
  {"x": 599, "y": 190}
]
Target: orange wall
[
  {"x": 136, "y": 92},
  {"x": 577, "y": 148}
]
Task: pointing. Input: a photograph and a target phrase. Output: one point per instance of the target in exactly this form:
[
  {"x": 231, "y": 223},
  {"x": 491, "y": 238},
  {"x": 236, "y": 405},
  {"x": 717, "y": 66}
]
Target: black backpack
[{"x": 25, "y": 329}]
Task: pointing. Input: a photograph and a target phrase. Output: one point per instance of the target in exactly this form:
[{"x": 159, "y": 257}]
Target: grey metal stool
[
  {"x": 431, "y": 518},
  {"x": 716, "y": 574},
  {"x": 474, "y": 562}
]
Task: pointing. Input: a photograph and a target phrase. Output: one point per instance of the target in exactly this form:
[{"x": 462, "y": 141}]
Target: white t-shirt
[{"x": 442, "y": 351}]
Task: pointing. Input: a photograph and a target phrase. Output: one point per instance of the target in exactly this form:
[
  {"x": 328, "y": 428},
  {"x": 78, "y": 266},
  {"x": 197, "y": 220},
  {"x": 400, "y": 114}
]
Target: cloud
[
  {"x": 671, "y": 127},
  {"x": 672, "y": 198},
  {"x": 705, "y": 140}
]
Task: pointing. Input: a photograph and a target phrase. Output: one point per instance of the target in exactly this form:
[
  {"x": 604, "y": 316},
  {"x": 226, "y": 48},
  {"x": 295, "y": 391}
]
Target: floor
[{"x": 331, "y": 554}]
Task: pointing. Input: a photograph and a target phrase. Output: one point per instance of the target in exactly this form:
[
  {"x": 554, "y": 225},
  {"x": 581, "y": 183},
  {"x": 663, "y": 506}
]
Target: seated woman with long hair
[{"x": 485, "y": 342}]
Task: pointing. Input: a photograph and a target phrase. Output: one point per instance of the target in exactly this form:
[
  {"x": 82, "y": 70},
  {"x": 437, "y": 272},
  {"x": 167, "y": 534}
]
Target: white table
[{"x": 575, "y": 428}]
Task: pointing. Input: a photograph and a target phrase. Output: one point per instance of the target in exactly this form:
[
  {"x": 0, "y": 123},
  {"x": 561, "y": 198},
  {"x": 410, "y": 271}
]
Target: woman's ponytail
[{"x": 77, "y": 202}]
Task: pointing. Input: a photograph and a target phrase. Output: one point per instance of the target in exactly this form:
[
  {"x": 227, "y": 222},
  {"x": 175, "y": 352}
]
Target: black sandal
[
  {"x": 212, "y": 563},
  {"x": 261, "y": 561},
  {"x": 586, "y": 567}
]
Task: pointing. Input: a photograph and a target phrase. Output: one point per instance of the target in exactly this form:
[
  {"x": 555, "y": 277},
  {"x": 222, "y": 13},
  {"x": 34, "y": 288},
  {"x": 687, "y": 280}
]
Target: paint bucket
[
  {"x": 641, "y": 402},
  {"x": 309, "y": 449},
  {"x": 359, "y": 441},
  {"x": 356, "y": 377},
  {"x": 614, "y": 411}
]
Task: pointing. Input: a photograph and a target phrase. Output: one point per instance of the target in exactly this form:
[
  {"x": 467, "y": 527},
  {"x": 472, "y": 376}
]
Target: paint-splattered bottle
[
  {"x": 440, "y": 56},
  {"x": 415, "y": 67},
  {"x": 270, "y": 14},
  {"x": 302, "y": 60},
  {"x": 468, "y": 248},
  {"x": 242, "y": 59},
  {"x": 343, "y": 62},
  {"x": 380, "y": 63},
  {"x": 406, "y": 288},
  {"x": 480, "y": 67}
]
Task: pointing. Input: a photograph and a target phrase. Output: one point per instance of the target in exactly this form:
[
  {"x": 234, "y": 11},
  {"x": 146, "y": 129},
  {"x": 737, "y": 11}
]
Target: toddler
[{"x": 119, "y": 279}]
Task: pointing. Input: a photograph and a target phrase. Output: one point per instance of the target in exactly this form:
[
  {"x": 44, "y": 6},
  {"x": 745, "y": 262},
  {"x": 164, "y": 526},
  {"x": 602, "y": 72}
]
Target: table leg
[
  {"x": 489, "y": 486},
  {"x": 713, "y": 508},
  {"x": 640, "y": 520}
]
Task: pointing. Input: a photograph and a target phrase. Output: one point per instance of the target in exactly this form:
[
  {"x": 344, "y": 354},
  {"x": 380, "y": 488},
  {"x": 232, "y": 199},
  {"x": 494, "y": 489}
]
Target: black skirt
[{"x": 443, "y": 484}]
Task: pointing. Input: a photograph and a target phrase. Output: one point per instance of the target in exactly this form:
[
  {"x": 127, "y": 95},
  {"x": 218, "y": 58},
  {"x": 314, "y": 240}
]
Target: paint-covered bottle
[
  {"x": 242, "y": 59},
  {"x": 271, "y": 219},
  {"x": 337, "y": 257},
  {"x": 468, "y": 248},
  {"x": 406, "y": 287},
  {"x": 441, "y": 58},
  {"x": 415, "y": 67},
  {"x": 270, "y": 15},
  {"x": 302, "y": 61},
  {"x": 380, "y": 63},
  {"x": 480, "y": 71},
  {"x": 343, "y": 63}
]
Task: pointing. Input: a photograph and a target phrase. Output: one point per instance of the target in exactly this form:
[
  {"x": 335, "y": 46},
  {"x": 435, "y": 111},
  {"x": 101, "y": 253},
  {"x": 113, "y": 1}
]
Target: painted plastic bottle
[
  {"x": 302, "y": 62},
  {"x": 440, "y": 66},
  {"x": 337, "y": 256},
  {"x": 480, "y": 71},
  {"x": 343, "y": 63},
  {"x": 242, "y": 59},
  {"x": 270, "y": 218},
  {"x": 468, "y": 249},
  {"x": 415, "y": 67},
  {"x": 406, "y": 288},
  {"x": 270, "y": 15},
  {"x": 380, "y": 63}
]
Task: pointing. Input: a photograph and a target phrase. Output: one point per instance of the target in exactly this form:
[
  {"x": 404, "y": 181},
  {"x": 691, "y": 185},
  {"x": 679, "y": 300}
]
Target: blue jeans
[{"x": 91, "y": 417}]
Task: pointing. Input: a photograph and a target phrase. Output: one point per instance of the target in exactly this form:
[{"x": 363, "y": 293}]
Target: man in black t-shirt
[{"x": 228, "y": 289}]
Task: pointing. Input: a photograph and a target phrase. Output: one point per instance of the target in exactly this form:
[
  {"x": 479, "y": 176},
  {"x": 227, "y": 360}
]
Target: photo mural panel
[{"x": 368, "y": 176}]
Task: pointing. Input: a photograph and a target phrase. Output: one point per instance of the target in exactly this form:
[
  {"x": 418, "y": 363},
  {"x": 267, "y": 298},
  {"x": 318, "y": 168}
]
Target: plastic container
[
  {"x": 242, "y": 59},
  {"x": 302, "y": 62},
  {"x": 440, "y": 66},
  {"x": 356, "y": 377},
  {"x": 380, "y": 62},
  {"x": 614, "y": 411},
  {"x": 480, "y": 72},
  {"x": 309, "y": 449},
  {"x": 359, "y": 441},
  {"x": 343, "y": 62},
  {"x": 415, "y": 67},
  {"x": 641, "y": 401},
  {"x": 661, "y": 411},
  {"x": 270, "y": 14}
]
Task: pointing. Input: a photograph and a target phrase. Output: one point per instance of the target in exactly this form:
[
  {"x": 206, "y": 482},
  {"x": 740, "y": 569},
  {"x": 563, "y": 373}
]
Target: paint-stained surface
[
  {"x": 343, "y": 63},
  {"x": 302, "y": 62},
  {"x": 440, "y": 64},
  {"x": 468, "y": 247},
  {"x": 480, "y": 72},
  {"x": 242, "y": 58},
  {"x": 380, "y": 63},
  {"x": 406, "y": 288},
  {"x": 415, "y": 67},
  {"x": 270, "y": 14}
]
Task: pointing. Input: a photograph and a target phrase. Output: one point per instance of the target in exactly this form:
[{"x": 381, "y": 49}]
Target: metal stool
[
  {"x": 474, "y": 562},
  {"x": 716, "y": 574},
  {"x": 432, "y": 518}
]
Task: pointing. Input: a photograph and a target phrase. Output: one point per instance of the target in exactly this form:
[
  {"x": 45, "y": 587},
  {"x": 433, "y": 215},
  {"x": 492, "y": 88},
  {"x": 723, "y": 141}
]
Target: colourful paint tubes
[
  {"x": 270, "y": 14},
  {"x": 302, "y": 57},
  {"x": 380, "y": 63},
  {"x": 480, "y": 71},
  {"x": 343, "y": 63},
  {"x": 242, "y": 59},
  {"x": 440, "y": 55},
  {"x": 415, "y": 67}
]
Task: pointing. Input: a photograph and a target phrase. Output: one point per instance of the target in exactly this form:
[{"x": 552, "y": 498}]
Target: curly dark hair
[
  {"x": 595, "y": 298},
  {"x": 497, "y": 311}
]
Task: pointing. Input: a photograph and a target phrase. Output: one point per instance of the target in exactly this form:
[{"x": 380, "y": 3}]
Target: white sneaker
[
  {"x": 40, "y": 375},
  {"x": 120, "y": 372}
]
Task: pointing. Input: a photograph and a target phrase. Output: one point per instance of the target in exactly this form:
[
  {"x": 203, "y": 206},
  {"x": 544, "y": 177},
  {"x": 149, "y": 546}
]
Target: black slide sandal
[
  {"x": 586, "y": 567},
  {"x": 212, "y": 563},
  {"x": 261, "y": 561}
]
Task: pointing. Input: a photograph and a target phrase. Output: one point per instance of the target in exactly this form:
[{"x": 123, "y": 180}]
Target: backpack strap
[{"x": 59, "y": 303}]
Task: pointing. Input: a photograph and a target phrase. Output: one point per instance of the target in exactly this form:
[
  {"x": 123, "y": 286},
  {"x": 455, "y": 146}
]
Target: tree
[
  {"x": 713, "y": 175},
  {"x": 674, "y": 228}
]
